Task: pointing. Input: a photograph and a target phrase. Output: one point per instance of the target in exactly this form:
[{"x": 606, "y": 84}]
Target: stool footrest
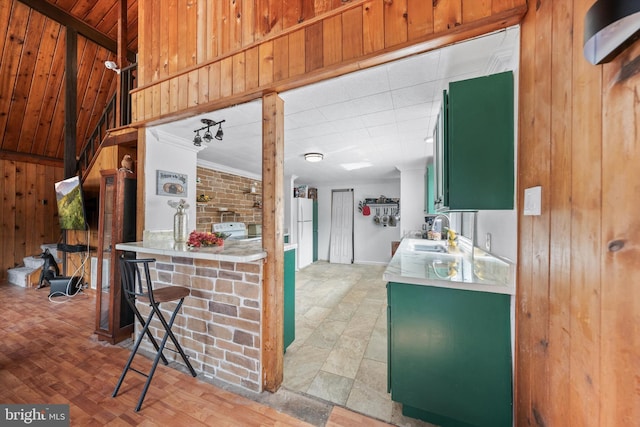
[{"x": 144, "y": 374}]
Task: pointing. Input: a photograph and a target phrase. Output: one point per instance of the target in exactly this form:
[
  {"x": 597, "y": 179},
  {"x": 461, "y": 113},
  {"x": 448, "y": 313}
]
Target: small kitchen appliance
[{"x": 235, "y": 231}]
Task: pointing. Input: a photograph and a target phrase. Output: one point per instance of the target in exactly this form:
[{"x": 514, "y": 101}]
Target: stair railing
[{"x": 108, "y": 120}]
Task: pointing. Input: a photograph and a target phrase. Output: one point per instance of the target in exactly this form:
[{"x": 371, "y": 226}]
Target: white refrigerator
[{"x": 305, "y": 231}]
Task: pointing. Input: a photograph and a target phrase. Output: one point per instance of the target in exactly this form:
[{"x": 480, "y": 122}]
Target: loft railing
[{"x": 109, "y": 119}]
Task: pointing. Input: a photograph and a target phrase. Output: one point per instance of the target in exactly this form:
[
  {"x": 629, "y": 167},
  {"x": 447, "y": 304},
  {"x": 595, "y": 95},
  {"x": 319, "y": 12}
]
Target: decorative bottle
[{"x": 180, "y": 225}]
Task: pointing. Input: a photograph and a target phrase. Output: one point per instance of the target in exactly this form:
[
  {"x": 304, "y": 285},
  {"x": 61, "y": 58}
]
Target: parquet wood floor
[{"x": 49, "y": 354}]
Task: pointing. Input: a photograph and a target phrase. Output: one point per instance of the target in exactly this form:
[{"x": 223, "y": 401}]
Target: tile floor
[{"x": 340, "y": 351}]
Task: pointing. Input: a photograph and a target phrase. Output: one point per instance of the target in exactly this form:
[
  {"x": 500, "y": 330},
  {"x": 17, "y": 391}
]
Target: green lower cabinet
[
  {"x": 450, "y": 355},
  {"x": 289, "y": 297}
]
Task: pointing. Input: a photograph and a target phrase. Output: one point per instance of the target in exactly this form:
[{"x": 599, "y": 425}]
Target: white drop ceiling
[{"x": 369, "y": 125}]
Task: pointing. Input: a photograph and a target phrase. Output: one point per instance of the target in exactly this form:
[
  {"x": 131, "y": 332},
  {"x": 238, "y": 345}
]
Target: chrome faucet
[{"x": 440, "y": 223}]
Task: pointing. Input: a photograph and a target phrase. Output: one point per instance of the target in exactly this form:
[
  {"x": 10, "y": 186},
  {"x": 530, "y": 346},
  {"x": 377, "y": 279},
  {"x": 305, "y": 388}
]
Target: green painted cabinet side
[
  {"x": 480, "y": 143},
  {"x": 315, "y": 230},
  {"x": 289, "y": 297},
  {"x": 450, "y": 355},
  {"x": 429, "y": 196},
  {"x": 441, "y": 156}
]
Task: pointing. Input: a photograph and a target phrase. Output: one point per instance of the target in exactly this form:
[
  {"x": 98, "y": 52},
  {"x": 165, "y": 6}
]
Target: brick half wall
[{"x": 219, "y": 323}]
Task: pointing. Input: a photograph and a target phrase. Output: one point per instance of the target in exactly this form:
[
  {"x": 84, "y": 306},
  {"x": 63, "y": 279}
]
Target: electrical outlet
[{"x": 487, "y": 242}]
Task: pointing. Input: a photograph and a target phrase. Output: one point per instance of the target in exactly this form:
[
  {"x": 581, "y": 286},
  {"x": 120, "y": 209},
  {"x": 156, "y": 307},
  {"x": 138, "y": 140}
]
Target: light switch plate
[{"x": 533, "y": 201}]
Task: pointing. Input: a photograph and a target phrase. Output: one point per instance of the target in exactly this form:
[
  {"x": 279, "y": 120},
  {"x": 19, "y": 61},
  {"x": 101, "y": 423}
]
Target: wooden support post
[
  {"x": 121, "y": 58},
  {"x": 70, "y": 102},
  {"x": 273, "y": 241},
  {"x": 70, "y": 114},
  {"x": 141, "y": 153}
]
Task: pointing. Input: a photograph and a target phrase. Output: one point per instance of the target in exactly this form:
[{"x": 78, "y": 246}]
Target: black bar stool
[{"x": 133, "y": 288}]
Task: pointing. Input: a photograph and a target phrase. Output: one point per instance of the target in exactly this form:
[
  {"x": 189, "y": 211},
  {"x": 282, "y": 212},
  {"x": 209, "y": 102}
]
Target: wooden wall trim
[
  {"x": 30, "y": 158},
  {"x": 230, "y": 78}
]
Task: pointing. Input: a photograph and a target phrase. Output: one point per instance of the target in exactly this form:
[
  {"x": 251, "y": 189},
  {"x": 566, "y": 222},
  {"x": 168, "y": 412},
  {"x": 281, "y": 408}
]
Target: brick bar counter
[{"x": 219, "y": 324}]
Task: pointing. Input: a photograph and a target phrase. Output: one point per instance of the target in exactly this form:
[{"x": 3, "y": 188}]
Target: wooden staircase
[{"x": 112, "y": 128}]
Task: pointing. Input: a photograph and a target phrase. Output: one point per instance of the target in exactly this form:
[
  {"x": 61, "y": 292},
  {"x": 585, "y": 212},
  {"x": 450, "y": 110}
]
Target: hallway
[{"x": 340, "y": 350}]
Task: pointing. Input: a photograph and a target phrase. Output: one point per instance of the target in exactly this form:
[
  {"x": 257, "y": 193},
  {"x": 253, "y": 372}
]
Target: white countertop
[
  {"x": 233, "y": 251},
  {"x": 456, "y": 268}
]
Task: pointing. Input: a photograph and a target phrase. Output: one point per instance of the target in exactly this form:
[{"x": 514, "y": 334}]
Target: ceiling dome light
[{"x": 313, "y": 157}]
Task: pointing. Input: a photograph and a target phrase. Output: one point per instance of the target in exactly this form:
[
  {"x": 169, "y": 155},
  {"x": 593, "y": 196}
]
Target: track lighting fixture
[{"x": 208, "y": 136}]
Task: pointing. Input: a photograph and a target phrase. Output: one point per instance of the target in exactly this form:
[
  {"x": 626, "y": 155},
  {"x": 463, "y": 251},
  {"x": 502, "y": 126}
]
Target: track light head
[
  {"x": 197, "y": 140},
  {"x": 207, "y": 137}
]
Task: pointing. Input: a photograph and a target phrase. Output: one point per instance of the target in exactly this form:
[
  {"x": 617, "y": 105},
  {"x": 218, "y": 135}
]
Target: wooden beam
[
  {"x": 273, "y": 241},
  {"x": 70, "y": 102},
  {"x": 122, "y": 56},
  {"x": 59, "y": 15},
  {"x": 141, "y": 154},
  {"x": 30, "y": 158}
]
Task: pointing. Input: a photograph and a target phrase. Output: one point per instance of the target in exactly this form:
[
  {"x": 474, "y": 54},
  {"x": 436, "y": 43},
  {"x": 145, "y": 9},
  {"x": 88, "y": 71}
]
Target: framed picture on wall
[{"x": 171, "y": 183}]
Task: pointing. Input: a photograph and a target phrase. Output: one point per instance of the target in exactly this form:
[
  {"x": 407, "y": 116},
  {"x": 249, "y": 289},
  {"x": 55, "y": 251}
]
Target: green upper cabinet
[{"x": 480, "y": 143}]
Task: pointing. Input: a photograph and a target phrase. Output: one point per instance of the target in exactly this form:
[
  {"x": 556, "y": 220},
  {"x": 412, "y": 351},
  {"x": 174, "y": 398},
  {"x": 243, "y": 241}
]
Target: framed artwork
[{"x": 171, "y": 184}]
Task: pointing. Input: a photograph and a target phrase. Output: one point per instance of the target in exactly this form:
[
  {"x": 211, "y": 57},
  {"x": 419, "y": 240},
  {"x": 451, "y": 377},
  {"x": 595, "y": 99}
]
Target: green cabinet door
[
  {"x": 289, "y": 297},
  {"x": 450, "y": 355},
  {"x": 480, "y": 143}
]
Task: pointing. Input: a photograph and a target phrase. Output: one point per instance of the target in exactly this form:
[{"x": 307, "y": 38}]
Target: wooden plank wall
[
  {"x": 578, "y": 310},
  {"x": 26, "y": 221},
  {"x": 230, "y": 52}
]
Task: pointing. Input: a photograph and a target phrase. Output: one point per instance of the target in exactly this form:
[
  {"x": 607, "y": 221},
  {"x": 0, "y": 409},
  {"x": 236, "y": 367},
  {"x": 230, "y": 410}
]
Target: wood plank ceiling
[{"x": 32, "y": 58}]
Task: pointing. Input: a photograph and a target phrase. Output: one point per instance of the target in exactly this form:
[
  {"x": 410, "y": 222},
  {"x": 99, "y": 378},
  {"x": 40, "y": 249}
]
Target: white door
[{"x": 341, "y": 241}]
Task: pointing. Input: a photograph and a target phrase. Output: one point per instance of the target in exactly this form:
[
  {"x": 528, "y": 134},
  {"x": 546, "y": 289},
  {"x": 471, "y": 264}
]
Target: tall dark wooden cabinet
[{"x": 116, "y": 224}]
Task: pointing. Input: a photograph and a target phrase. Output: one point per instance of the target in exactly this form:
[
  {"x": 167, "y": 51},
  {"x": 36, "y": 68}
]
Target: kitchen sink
[
  {"x": 420, "y": 245},
  {"x": 431, "y": 248}
]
